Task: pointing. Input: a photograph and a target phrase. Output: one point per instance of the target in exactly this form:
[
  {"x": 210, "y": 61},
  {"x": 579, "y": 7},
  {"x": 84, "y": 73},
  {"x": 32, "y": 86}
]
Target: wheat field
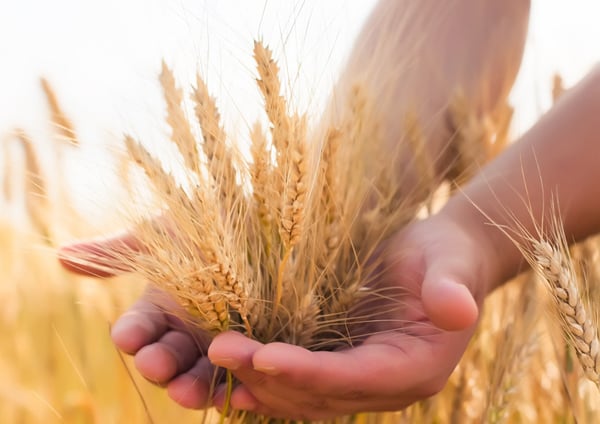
[{"x": 263, "y": 225}]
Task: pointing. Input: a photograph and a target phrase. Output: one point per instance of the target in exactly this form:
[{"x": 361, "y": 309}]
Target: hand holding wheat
[
  {"x": 295, "y": 261},
  {"x": 430, "y": 268}
]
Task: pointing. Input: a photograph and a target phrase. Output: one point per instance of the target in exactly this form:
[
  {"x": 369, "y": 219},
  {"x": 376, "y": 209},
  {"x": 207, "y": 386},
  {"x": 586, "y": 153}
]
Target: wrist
[{"x": 498, "y": 257}]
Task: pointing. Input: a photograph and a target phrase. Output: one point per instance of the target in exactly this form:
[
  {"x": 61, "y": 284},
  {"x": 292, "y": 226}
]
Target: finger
[
  {"x": 446, "y": 294},
  {"x": 100, "y": 258},
  {"x": 367, "y": 370},
  {"x": 233, "y": 350},
  {"x": 174, "y": 353},
  {"x": 192, "y": 389},
  {"x": 145, "y": 322}
]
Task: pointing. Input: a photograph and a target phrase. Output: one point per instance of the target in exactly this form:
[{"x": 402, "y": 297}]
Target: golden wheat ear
[
  {"x": 554, "y": 264},
  {"x": 64, "y": 126},
  {"x": 36, "y": 190},
  {"x": 475, "y": 138},
  {"x": 548, "y": 254},
  {"x": 7, "y": 175}
]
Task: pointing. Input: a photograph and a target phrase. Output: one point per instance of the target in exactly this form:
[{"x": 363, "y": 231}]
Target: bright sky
[{"x": 103, "y": 56}]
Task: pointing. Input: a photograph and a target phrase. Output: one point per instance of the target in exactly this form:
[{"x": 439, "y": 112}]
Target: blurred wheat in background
[{"x": 275, "y": 246}]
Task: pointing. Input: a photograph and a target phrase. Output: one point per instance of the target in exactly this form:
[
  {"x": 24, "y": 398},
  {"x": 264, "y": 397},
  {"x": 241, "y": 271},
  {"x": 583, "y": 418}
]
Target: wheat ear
[
  {"x": 220, "y": 158},
  {"x": 36, "y": 193},
  {"x": 7, "y": 180},
  {"x": 288, "y": 138},
  {"x": 181, "y": 132},
  {"x": 63, "y": 124},
  {"x": 261, "y": 174},
  {"x": 553, "y": 263},
  {"x": 195, "y": 268}
]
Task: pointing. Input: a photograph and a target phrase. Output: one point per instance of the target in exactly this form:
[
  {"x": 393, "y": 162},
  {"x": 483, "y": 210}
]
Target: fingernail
[{"x": 265, "y": 369}]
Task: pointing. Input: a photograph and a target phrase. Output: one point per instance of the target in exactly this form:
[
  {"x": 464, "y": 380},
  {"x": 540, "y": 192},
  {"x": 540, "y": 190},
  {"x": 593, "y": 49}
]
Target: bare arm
[
  {"x": 559, "y": 158},
  {"x": 413, "y": 55}
]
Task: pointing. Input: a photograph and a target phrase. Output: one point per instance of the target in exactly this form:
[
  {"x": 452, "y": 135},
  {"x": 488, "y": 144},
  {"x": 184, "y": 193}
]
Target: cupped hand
[
  {"x": 444, "y": 277},
  {"x": 442, "y": 271}
]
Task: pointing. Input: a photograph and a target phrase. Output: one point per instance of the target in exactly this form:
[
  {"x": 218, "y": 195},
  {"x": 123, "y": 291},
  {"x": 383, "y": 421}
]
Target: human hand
[
  {"x": 444, "y": 277},
  {"x": 168, "y": 349}
]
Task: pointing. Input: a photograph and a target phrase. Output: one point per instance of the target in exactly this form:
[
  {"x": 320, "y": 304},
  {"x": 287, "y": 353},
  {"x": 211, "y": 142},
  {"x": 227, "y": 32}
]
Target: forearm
[
  {"x": 412, "y": 56},
  {"x": 557, "y": 161}
]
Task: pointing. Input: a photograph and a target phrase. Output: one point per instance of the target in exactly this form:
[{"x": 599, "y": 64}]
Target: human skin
[
  {"x": 555, "y": 163},
  {"x": 448, "y": 263}
]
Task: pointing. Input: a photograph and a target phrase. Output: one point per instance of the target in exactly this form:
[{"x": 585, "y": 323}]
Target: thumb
[{"x": 446, "y": 294}]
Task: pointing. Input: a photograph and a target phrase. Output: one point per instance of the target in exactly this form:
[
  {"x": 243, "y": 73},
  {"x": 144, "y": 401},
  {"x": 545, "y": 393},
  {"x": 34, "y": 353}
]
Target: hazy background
[{"x": 103, "y": 56}]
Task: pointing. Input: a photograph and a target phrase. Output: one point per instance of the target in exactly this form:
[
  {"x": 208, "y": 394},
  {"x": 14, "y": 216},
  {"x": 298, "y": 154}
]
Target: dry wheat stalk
[{"x": 288, "y": 135}]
